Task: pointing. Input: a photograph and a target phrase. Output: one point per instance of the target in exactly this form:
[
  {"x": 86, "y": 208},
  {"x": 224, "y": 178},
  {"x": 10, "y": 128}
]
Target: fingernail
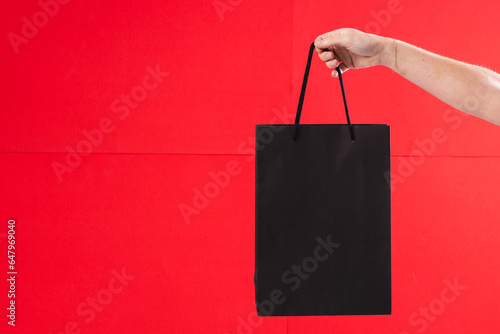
[{"x": 319, "y": 42}]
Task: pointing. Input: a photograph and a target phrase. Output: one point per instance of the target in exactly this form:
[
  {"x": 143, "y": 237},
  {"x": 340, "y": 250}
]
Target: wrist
[{"x": 388, "y": 52}]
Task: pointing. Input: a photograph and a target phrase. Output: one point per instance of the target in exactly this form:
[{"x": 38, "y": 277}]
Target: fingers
[
  {"x": 343, "y": 67},
  {"x": 326, "y": 55},
  {"x": 324, "y": 45},
  {"x": 330, "y": 58},
  {"x": 331, "y": 48},
  {"x": 332, "y": 63}
]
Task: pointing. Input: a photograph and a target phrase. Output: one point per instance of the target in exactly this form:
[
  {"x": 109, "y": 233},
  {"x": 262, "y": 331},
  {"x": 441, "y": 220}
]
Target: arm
[{"x": 469, "y": 88}]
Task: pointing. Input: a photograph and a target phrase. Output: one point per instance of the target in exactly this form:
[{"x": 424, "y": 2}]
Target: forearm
[{"x": 469, "y": 88}]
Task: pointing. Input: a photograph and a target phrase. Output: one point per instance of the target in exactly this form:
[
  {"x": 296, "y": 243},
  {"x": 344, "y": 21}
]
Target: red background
[{"x": 120, "y": 207}]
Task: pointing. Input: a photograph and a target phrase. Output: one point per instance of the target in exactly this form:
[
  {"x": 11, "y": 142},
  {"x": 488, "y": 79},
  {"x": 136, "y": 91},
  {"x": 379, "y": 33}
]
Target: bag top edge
[{"x": 323, "y": 124}]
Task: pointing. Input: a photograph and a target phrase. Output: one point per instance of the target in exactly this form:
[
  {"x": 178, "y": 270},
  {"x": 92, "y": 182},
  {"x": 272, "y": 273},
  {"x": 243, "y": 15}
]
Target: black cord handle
[{"x": 303, "y": 93}]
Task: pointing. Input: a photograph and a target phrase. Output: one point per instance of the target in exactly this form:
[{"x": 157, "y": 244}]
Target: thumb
[{"x": 338, "y": 37}]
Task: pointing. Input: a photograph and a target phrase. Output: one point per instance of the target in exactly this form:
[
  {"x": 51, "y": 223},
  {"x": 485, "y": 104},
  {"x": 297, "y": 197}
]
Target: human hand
[{"x": 351, "y": 48}]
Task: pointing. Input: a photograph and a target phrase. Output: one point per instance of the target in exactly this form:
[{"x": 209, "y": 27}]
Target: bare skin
[{"x": 472, "y": 89}]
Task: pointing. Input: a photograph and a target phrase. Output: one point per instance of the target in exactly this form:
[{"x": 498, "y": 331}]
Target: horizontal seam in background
[{"x": 230, "y": 154}]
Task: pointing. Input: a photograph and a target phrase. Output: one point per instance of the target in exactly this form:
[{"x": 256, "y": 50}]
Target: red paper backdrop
[{"x": 103, "y": 245}]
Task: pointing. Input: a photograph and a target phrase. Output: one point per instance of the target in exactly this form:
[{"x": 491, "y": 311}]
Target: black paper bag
[{"x": 323, "y": 231}]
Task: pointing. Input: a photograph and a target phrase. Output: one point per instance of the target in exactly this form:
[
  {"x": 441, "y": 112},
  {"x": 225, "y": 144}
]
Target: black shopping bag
[{"x": 323, "y": 226}]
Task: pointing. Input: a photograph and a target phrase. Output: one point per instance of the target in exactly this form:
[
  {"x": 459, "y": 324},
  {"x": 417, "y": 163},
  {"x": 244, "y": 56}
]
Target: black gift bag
[{"x": 323, "y": 219}]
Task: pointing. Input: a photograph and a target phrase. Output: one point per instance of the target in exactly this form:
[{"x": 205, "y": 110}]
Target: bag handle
[{"x": 303, "y": 92}]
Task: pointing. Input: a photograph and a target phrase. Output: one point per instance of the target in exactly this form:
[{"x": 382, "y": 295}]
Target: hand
[{"x": 355, "y": 49}]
